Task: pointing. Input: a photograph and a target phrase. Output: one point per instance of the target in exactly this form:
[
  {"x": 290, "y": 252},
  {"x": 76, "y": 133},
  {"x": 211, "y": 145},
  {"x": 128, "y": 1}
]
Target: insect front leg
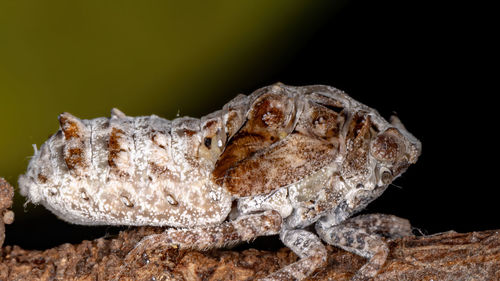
[
  {"x": 362, "y": 235},
  {"x": 308, "y": 247},
  {"x": 245, "y": 228}
]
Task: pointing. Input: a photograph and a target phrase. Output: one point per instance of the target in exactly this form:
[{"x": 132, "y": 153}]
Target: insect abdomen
[{"x": 131, "y": 171}]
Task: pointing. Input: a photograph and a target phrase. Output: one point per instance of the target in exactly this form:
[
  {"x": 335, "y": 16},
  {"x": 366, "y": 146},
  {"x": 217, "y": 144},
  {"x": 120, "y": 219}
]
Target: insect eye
[
  {"x": 386, "y": 177},
  {"x": 387, "y": 146}
]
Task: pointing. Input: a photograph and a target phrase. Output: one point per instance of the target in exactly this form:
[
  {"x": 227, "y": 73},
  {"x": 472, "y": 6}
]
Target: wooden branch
[{"x": 446, "y": 256}]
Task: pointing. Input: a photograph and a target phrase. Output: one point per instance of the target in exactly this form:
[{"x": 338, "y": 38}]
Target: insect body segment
[
  {"x": 287, "y": 157},
  {"x": 124, "y": 170}
]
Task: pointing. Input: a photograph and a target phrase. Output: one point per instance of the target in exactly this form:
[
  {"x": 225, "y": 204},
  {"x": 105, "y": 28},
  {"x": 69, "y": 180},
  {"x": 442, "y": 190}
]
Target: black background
[{"x": 430, "y": 64}]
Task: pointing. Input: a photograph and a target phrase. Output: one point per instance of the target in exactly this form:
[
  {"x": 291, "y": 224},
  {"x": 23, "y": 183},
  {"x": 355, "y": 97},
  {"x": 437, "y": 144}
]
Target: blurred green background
[{"x": 149, "y": 57}]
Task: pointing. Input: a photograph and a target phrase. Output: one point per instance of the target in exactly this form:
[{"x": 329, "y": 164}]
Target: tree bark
[{"x": 445, "y": 256}]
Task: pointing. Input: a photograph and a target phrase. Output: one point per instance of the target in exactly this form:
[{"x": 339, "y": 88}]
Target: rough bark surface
[
  {"x": 6, "y": 215},
  {"x": 446, "y": 256}
]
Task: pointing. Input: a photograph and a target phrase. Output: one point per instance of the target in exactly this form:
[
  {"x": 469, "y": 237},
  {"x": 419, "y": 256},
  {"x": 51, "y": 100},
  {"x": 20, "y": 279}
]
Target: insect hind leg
[{"x": 245, "y": 228}]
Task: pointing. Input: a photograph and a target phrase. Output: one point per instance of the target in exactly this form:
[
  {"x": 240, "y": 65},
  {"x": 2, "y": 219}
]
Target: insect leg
[
  {"x": 308, "y": 247},
  {"x": 381, "y": 224},
  {"x": 244, "y": 228},
  {"x": 362, "y": 235}
]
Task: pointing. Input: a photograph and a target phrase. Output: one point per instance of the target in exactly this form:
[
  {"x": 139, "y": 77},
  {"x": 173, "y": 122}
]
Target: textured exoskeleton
[{"x": 273, "y": 162}]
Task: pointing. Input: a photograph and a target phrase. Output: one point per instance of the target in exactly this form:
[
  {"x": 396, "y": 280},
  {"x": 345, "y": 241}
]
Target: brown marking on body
[
  {"x": 233, "y": 123},
  {"x": 42, "y": 178},
  {"x": 188, "y": 132},
  {"x": 359, "y": 127},
  {"x": 157, "y": 169},
  {"x": 209, "y": 124},
  {"x": 114, "y": 147},
  {"x": 269, "y": 120},
  {"x": 69, "y": 127},
  {"x": 272, "y": 111},
  {"x": 325, "y": 123},
  {"x": 358, "y": 140},
  {"x": 152, "y": 134},
  {"x": 74, "y": 158},
  {"x": 154, "y": 138},
  {"x": 284, "y": 163},
  {"x": 270, "y": 116},
  {"x": 263, "y": 155},
  {"x": 273, "y": 221},
  {"x": 241, "y": 146},
  {"x": 266, "y": 159}
]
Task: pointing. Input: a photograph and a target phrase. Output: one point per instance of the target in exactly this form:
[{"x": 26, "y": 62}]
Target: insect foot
[{"x": 278, "y": 161}]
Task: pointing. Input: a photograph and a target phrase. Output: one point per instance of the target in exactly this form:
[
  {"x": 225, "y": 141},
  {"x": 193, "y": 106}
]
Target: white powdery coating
[
  {"x": 162, "y": 185},
  {"x": 159, "y": 172}
]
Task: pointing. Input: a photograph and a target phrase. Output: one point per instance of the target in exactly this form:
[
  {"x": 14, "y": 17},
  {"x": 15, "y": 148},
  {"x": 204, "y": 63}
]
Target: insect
[{"x": 274, "y": 162}]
